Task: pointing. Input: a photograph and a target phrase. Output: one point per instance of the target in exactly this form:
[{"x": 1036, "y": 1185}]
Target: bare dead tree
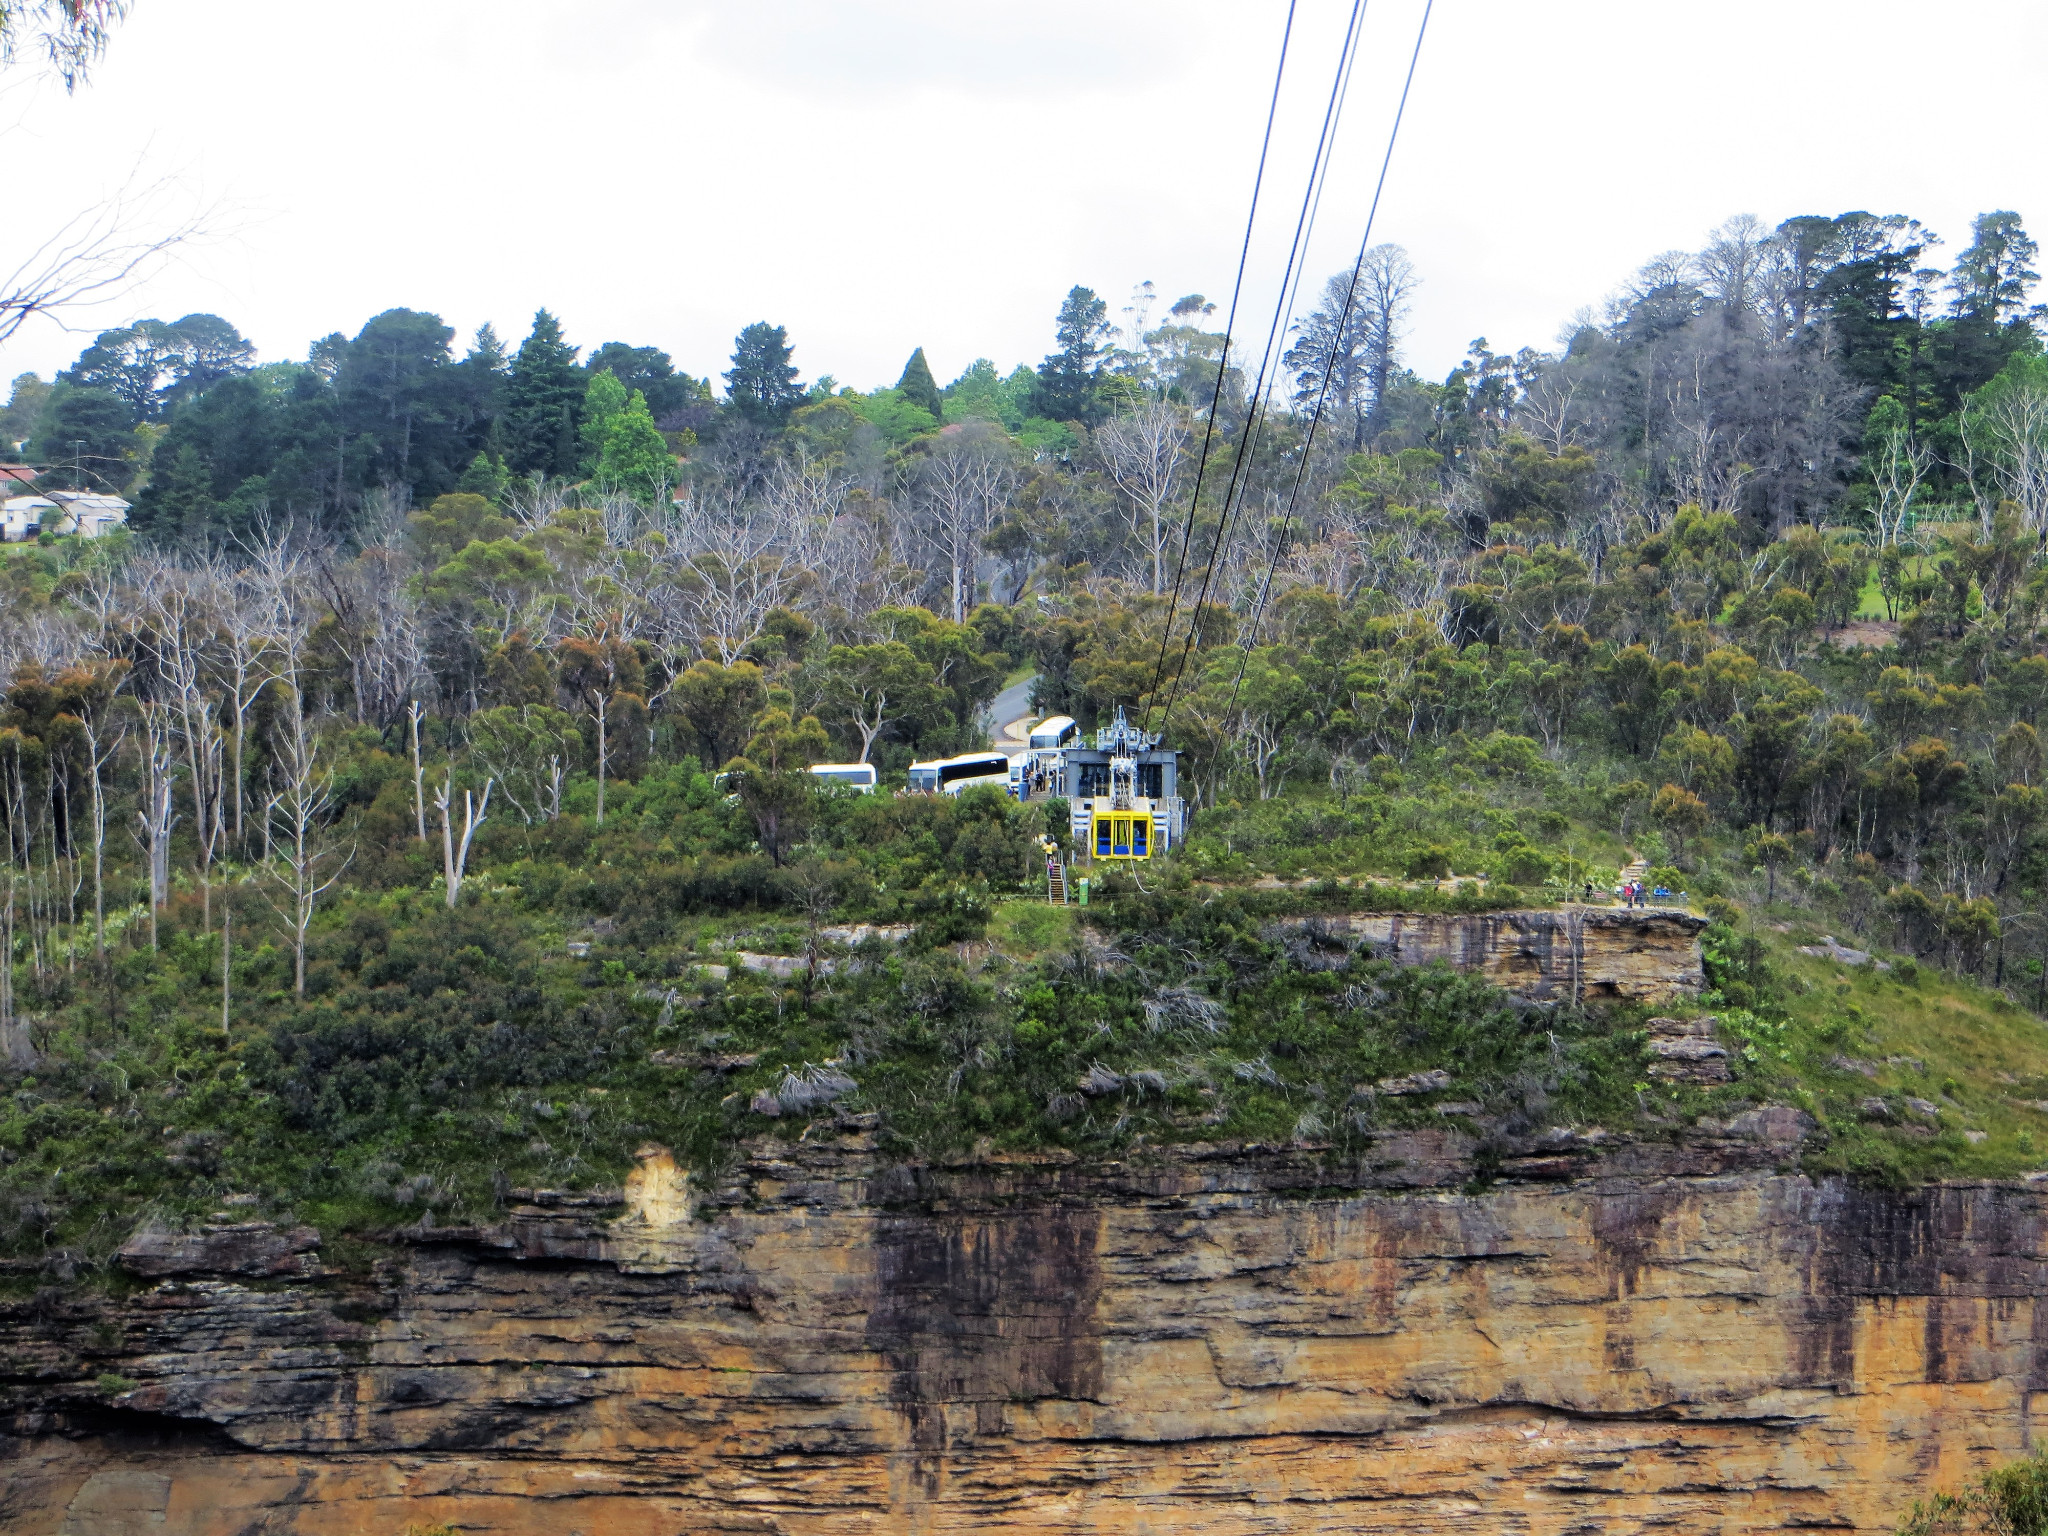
[
  {"x": 105, "y": 733},
  {"x": 157, "y": 815},
  {"x": 1732, "y": 268},
  {"x": 1549, "y": 411},
  {"x": 959, "y": 490},
  {"x": 2005, "y": 453},
  {"x": 533, "y": 504},
  {"x": 1898, "y": 467},
  {"x": 863, "y": 565},
  {"x": 306, "y": 859},
  {"x": 730, "y": 560},
  {"x": 618, "y": 517},
  {"x": 378, "y": 626},
  {"x": 413, "y": 711},
  {"x": 98, "y": 254},
  {"x": 454, "y": 855},
  {"x": 805, "y": 492},
  {"x": 1144, "y": 452},
  {"x": 182, "y": 630},
  {"x": 1386, "y": 285}
]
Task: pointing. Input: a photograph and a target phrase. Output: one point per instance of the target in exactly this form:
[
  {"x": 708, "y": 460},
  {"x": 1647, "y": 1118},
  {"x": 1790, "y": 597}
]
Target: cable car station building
[{"x": 1124, "y": 792}]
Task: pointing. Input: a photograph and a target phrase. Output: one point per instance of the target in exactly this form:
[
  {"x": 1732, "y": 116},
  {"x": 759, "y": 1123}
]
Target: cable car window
[
  {"x": 1123, "y": 837},
  {"x": 1139, "y": 829},
  {"x": 1102, "y": 837}
]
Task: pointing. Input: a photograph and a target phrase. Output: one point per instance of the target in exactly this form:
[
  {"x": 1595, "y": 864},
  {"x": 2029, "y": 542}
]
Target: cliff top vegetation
[{"x": 410, "y": 807}]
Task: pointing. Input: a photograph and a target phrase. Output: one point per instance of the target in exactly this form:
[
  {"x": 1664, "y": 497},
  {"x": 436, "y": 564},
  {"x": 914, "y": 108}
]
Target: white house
[
  {"x": 89, "y": 514},
  {"x": 22, "y": 516}
]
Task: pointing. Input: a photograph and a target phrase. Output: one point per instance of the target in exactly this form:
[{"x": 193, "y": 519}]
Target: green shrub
[{"x": 2011, "y": 1500}]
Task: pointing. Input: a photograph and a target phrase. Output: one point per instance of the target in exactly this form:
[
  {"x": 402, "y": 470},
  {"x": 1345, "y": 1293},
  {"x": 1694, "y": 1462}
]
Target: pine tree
[
  {"x": 486, "y": 352},
  {"x": 762, "y": 384},
  {"x": 1067, "y": 378},
  {"x": 919, "y": 387},
  {"x": 544, "y": 393},
  {"x": 565, "y": 440},
  {"x": 486, "y": 371},
  {"x": 180, "y": 503}
]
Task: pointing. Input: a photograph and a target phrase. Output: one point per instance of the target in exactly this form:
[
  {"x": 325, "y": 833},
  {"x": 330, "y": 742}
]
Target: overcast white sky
[{"x": 882, "y": 174}]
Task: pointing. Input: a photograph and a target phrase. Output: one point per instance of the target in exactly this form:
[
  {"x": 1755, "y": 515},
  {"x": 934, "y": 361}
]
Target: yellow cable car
[{"x": 1123, "y": 834}]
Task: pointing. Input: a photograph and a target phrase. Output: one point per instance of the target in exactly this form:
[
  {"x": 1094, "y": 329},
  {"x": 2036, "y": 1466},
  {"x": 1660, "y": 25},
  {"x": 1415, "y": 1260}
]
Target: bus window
[
  {"x": 860, "y": 776},
  {"x": 975, "y": 767},
  {"x": 1102, "y": 837},
  {"x": 1139, "y": 830}
]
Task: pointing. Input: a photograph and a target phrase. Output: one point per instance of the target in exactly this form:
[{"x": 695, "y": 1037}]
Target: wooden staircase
[{"x": 1055, "y": 880}]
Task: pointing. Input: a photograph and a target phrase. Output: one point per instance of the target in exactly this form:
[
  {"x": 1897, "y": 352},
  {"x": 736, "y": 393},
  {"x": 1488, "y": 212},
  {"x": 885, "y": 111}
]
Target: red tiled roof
[{"x": 20, "y": 472}]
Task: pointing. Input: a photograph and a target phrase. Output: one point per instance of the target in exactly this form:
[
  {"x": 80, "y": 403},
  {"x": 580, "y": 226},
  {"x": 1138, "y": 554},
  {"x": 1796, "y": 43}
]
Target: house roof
[
  {"x": 26, "y": 503},
  {"x": 21, "y": 472}
]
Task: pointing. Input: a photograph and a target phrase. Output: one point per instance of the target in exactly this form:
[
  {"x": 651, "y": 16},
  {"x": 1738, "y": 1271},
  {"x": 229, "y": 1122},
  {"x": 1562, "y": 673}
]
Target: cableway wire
[
  {"x": 1329, "y": 365},
  {"x": 1257, "y": 402},
  {"x": 1223, "y": 360}
]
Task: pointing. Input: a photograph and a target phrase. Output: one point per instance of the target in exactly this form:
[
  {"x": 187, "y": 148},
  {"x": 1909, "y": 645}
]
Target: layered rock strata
[
  {"x": 1570, "y": 954},
  {"x": 1613, "y": 1336}
]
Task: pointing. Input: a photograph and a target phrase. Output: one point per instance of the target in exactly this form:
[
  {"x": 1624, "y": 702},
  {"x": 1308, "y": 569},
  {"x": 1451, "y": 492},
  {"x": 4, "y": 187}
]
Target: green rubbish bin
[{"x": 1081, "y": 887}]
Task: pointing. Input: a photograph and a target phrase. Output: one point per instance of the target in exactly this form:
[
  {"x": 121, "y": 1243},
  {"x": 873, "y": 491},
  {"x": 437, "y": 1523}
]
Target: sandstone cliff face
[
  {"x": 1613, "y": 1337},
  {"x": 1649, "y": 955}
]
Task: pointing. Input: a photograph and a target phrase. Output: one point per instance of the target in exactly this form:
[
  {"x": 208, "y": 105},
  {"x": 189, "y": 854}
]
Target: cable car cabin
[
  {"x": 860, "y": 776},
  {"x": 950, "y": 775},
  {"x": 1124, "y": 834}
]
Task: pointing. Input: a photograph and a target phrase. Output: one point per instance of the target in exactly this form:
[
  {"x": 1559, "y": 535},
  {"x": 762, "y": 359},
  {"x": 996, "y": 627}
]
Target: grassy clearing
[
  {"x": 1855, "y": 1034},
  {"x": 1029, "y": 927}
]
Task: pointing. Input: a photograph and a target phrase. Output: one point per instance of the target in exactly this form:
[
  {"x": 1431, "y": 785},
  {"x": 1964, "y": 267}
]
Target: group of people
[{"x": 1633, "y": 893}]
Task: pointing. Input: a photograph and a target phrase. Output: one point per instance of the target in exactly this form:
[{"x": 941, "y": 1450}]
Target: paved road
[{"x": 1012, "y": 704}]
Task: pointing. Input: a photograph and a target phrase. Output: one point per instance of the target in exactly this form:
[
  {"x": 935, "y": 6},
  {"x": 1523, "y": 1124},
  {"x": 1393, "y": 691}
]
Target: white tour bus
[
  {"x": 950, "y": 775},
  {"x": 1055, "y": 734},
  {"x": 860, "y": 776}
]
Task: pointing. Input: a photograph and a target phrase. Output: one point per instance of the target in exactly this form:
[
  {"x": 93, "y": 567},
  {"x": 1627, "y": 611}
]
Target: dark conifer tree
[
  {"x": 919, "y": 387},
  {"x": 542, "y": 399},
  {"x": 762, "y": 383},
  {"x": 564, "y": 453},
  {"x": 1067, "y": 378},
  {"x": 179, "y": 500}
]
